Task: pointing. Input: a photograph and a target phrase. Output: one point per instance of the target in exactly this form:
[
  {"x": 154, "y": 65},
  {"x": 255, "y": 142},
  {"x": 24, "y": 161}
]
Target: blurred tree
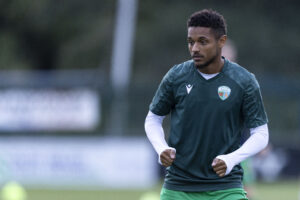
[{"x": 53, "y": 34}]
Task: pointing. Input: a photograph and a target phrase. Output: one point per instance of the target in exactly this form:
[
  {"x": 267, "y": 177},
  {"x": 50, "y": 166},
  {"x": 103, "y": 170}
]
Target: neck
[{"x": 214, "y": 67}]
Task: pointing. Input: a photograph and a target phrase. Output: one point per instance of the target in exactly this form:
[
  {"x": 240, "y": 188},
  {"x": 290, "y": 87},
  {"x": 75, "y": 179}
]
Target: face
[{"x": 203, "y": 46}]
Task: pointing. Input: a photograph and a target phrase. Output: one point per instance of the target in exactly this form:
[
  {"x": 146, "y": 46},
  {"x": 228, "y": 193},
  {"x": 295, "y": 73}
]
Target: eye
[
  {"x": 203, "y": 42},
  {"x": 190, "y": 42}
]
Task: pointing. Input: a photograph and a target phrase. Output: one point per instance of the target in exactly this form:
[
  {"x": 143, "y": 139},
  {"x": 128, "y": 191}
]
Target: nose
[{"x": 196, "y": 47}]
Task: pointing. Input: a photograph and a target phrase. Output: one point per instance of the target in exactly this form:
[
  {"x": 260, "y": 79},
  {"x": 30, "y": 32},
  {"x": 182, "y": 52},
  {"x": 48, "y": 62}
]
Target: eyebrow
[{"x": 199, "y": 38}]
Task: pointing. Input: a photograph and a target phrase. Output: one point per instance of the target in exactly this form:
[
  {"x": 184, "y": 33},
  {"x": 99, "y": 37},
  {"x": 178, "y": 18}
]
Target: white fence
[{"x": 78, "y": 163}]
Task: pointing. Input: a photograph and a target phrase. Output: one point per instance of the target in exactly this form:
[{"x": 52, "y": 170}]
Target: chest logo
[
  {"x": 189, "y": 88},
  {"x": 224, "y": 92}
]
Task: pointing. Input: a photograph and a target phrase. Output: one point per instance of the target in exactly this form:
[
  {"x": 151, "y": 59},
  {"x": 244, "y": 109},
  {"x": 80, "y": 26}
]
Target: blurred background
[{"x": 77, "y": 77}]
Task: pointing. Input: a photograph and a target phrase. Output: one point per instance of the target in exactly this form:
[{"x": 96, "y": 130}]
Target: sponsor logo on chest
[{"x": 224, "y": 92}]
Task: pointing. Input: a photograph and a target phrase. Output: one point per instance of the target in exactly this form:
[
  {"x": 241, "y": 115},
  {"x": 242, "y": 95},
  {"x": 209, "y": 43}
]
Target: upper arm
[
  {"x": 163, "y": 100},
  {"x": 253, "y": 108}
]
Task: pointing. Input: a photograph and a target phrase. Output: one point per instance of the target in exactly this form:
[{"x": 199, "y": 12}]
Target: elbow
[
  {"x": 263, "y": 135},
  {"x": 266, "y": 140}
]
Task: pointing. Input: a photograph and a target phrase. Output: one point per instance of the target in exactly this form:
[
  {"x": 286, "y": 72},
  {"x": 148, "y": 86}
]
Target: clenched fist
[
  {"x": 167, "y": 157},
  {"x": 219, "y": 166}
]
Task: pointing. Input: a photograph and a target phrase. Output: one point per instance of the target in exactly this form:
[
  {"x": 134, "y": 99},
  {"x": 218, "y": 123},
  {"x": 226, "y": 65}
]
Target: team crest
[{"x": 224, "y": 92}]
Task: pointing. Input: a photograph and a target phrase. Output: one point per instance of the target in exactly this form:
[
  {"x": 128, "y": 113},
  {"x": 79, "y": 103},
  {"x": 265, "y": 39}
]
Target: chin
[
  {"x": 200, "y": 65},
  {"x": 206, "y": 63}
]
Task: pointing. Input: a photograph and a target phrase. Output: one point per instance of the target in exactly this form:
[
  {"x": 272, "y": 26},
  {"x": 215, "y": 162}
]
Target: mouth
[{"x": 197, "y": 58}]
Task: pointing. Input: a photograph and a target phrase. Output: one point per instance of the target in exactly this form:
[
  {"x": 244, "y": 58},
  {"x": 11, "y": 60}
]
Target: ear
[{"x": 222, "y": 41}]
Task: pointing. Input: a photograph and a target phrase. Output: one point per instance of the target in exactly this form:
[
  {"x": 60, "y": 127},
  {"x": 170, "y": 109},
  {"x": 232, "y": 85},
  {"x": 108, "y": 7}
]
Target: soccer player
[{"x": 211, "y": 100}]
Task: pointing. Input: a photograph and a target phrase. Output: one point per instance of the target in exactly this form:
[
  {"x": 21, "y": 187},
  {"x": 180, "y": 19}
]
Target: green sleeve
[
  {"x": 163, "y": 101},
  {"x": 253, "y": 108}
]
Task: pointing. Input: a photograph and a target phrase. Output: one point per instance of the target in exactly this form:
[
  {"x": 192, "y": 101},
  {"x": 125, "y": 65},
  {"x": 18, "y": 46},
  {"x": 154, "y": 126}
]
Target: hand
[
  {"x": 167, "y": 157},
  {"x": 219, "y": 166}
]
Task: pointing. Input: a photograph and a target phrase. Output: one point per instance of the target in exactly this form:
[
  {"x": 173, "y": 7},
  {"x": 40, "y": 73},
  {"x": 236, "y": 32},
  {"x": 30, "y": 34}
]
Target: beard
[{"x": 204, "y": 65}]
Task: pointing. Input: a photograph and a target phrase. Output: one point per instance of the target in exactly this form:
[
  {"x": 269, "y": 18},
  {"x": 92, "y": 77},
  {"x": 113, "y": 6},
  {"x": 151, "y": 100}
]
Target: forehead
[{"x": 197, "y": 32}]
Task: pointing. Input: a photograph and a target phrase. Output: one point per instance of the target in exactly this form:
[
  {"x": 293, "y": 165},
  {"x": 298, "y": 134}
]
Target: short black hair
[{"x": 209, "y": 18}]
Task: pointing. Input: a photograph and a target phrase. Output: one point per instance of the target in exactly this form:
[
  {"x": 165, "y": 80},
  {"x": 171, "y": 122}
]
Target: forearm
[
  {"x": 155, "y": 132},
  {"x": 256, "y": 142}
]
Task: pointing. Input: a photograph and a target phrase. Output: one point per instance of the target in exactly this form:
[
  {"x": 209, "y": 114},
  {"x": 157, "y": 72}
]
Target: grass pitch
[{"x": 281, "y": 190}]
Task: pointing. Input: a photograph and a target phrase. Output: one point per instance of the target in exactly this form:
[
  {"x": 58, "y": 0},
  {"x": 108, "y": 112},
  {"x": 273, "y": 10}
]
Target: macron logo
[{"x": 189, "y": 88}]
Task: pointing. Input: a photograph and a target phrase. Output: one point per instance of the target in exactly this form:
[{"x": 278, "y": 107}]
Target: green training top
[{"x": 207, "y": 117}]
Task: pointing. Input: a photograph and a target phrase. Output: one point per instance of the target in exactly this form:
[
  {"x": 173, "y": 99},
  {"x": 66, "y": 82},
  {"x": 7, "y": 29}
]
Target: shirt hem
[{"x": 201, "y": 187}]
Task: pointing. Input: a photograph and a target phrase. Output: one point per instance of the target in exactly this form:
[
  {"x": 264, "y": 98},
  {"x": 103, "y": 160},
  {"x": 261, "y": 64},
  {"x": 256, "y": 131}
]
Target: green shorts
[{"x": 230, "y": 194}]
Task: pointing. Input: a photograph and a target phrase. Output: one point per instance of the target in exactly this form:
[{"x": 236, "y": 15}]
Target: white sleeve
[
  {"x": 255, "y": 143},
  {"x": 155, "y": 132}
]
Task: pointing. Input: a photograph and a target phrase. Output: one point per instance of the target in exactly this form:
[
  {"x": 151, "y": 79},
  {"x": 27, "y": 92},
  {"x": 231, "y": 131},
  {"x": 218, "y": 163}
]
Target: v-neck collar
[{"x": 215, "y": 77}]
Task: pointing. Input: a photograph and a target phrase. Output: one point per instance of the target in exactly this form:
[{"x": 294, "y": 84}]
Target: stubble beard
[
  {"x": 214, "y": 58},
  {"x": 203, "y": 66}
]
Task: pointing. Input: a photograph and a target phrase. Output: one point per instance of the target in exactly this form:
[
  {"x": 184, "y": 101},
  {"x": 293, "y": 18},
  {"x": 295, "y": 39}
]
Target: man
[{"x": 210, "y": 100}]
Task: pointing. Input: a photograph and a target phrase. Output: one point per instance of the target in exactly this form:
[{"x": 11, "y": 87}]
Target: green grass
[{"x": 284, "y": 190}]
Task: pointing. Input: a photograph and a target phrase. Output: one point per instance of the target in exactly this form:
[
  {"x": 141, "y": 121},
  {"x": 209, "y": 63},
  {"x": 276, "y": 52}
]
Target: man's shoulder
[
  {"x": 236, "y": 69},
  {"x": 180, "y": 70},
  {"x": 183, "y": 67},
  {"x": 239, "y": 74}
]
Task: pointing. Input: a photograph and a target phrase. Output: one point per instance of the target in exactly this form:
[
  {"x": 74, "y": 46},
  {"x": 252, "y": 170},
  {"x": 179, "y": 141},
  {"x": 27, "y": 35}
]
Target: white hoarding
[
  {"x": 40, "y": 109},
  {"x": 78, "y": 163}
]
